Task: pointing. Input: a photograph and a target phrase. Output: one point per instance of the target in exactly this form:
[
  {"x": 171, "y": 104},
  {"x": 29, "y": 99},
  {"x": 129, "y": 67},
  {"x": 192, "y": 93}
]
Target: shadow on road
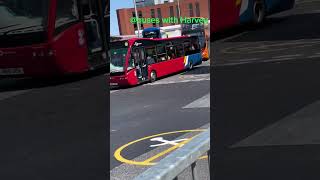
[
  {"x": 266, "y": 163},
  {"x": 251, "y": 97},
  {"x": 198, "y": 70},
  {"x": 14, "y": 84}
]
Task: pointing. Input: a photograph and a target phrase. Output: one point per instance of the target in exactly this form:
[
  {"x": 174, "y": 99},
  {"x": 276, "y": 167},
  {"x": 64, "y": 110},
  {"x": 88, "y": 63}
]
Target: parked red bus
[
  {"x": 228, "y": 13},
  {"x": 40, "y": 38},
  {"x": 140, "y": 60}
]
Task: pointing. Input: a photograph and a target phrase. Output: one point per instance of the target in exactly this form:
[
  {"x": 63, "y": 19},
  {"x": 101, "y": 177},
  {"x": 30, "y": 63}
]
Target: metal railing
[{"x": 174, "y": 164}]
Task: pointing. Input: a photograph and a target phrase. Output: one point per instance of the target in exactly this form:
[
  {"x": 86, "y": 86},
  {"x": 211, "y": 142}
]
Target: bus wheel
[
  {"x": 153, "y": 76},
  {"x": 190, "y": 66},
  {"x": 258, "y": 12}
]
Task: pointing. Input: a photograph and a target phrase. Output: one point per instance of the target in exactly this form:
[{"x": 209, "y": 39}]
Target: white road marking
[
  {"x": 182, "y": 79},
  {"x": 232, "y": 37},
  {"x": 287, "y": 56},
  {"x": 314, "y": 56},
  {"x": 232, "y": 64},
  {"x": 278, "y": 59},
  {"x": 310, "y": 1},
  {"x": 266, "y": 46},
  {"x": 247, "y": 60},
  {"x": 166, "y": 142},
  {"x": 203, "y": 102},
  {"x": 113, "y": 91},
  {"x": 6, "y": 95},
  {"x": 273, "y": 59}
]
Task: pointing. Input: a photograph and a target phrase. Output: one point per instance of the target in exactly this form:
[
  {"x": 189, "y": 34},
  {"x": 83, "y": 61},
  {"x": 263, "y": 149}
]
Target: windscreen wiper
[
  {"x": 23, "y": 28},
  {"x": 9, "y": 26}
]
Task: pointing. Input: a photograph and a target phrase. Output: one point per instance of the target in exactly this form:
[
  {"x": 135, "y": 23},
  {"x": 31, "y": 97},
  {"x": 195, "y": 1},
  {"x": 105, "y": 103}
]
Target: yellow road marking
[
  {"x": 119, "y": 157},
  {"x": 203, "y": 157}
]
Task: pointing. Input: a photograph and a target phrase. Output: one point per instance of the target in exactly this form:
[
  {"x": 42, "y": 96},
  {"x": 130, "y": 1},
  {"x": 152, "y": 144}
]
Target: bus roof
[
  {"x": 133, "y": 40},
  {"x": 157, "y": 39},
  {"x": 151, "y": 29}
]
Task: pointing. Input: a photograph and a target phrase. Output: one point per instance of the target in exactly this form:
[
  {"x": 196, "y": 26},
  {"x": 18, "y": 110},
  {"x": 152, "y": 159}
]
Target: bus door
[
  {"x": 141, "y": 64},
  {"x": 91, "y": 12}
]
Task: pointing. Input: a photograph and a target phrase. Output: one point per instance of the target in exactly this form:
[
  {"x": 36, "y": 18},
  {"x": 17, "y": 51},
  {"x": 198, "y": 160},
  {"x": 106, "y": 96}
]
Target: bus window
[
  {"x": 151, "y": 54},
  {"x": 171, "y": 52},
  {"x": 195, "y": 45},
  {"x": 135, "y": 56},
  {"x": 161, "y": 53},
  {"x": 179, "y": 50},
  {"x": 117, "y": 60},
  {"x": 25, "y": 20},
  {"x": 187, "y": 47},
  {"x": 67, "y": 14}
]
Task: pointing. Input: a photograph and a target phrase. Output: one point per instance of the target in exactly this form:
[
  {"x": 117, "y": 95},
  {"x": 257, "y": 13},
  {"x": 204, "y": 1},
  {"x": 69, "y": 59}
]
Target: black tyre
[
  {"x": 190, "y": 66},
  {"x": 153, "y": 76},
  {"x": 258, "y": 12}
]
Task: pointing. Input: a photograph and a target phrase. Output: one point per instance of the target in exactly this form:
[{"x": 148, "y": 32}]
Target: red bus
[
  {"x": 228, "y": 13},
  {"x": 139, "y": 60},
  {"x": 40, "y": 38}
]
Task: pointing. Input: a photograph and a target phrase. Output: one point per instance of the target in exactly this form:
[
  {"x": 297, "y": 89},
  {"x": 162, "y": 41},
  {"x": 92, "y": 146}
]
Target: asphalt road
[
  {"x": 54, "y": 129},
  {"x": 265, "y": 99},
  {"x": 178, "y": 102}
]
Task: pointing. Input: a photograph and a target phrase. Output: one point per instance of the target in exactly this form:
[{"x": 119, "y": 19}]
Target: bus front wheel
[
  {"x": 153, "y": 76},
  {"x": 258, "y": 12}
]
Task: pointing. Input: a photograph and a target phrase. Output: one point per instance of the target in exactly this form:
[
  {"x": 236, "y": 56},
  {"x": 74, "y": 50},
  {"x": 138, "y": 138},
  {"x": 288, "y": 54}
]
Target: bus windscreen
[
  {"x": 22, "y": 16},
  {"x": 23, "y": 22},
  {"x": 117, "y": 59}
]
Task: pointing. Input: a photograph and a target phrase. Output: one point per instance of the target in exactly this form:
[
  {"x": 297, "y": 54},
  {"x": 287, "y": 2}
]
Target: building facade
[
  {"x": 161, "y": 9},
  {"x": 143, "y": 3}
]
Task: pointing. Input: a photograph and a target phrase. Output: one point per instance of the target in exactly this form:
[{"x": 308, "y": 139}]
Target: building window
[
  {"x": 160, "y": 17},
  {"x": 191, "y": 10},
  {"x": 153, "y": 16},
  {"x": 172, "y": 13},
  {"x": 134, "y": 24},
  {"x": 140, "y": 16},
  {"x": 197, "y": 10}
]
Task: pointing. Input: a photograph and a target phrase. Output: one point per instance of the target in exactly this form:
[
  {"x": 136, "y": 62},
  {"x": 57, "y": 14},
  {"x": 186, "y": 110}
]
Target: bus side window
[
  {"x": 187, "y": 48},
  {"x": 142, "y": 55},
  {"x": 135, "y": 56},
  {"x": 171, "y": 54},
  {"x": 161, "y": 53},
  {"x": 131, "y": 64},
  {"x": 196, "y": 45},
  {"x": 179, "y": 50},
  {"x": 67, "y": 14},
  {"x": 151, "y": 55}
]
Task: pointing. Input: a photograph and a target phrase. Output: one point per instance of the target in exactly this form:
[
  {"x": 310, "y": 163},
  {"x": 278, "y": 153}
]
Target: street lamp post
[
  {"x": 137, "y": 17},
  {"x": 179, "y": 11}
]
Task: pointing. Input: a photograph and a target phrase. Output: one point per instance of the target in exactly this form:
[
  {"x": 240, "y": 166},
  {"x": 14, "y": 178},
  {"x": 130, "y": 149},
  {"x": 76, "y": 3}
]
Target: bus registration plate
[{"x": 11, "y": 71}]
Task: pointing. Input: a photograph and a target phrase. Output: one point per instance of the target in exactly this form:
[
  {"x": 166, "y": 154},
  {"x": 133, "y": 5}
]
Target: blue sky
[{"x": 114, "y": 5}]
